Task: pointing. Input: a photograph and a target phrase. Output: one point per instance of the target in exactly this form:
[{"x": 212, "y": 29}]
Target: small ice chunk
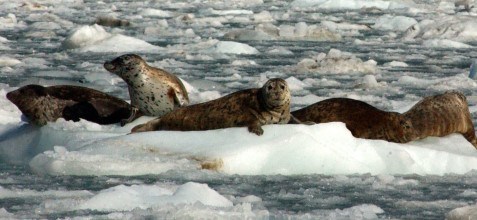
[
  {"x": 445, "y": 43},
  {"x": 396, "y": 64},
  {"x": 8, "y": 61},
  {"x": 394, "y": 23},
  {"x": 233, "y": 48}
]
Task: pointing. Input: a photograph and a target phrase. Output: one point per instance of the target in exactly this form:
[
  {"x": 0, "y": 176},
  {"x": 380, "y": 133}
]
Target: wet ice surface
[{"x": 390, "y": 54}]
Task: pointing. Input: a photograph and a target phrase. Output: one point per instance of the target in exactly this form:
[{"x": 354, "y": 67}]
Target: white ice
[
  {"x": 95, "y": 39},
  {"x": 291, "y": 149},
  {"x": 336, "y": 61},
  {"x": 126, "y": 198},
  {"x": 349, "y": 4}
]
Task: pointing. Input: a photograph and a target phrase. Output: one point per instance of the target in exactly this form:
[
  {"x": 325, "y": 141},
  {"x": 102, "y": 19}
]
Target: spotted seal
[
  {"x": 441, "y": 115},
  {"x": 46, "y": 104},
  {"x": 153, "y": 91},
  {"x": 362, "y": 119},
  {"x": 251, "y": 108}
]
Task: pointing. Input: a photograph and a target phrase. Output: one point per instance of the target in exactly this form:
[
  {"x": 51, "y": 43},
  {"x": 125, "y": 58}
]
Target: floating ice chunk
[
  {"x": 396, "y": 64},
  {"x": 459, "y": 81},
  {"x": 10, "y": 21},
  {"x": 455, "y": 28},
  {"x": 248, "y": 35},
  {"x": 95, "y": 39},
  {"x": 280, "y": 51},
  {"x": 120, "y": 43},
  {"x": 301, "y": 31},
  {"x": 8, "y": 61},
  {"x": 333, "y": 26},
  {"x": 227, "y": 12},
  {"x": 232, "y": 48},
  {"x": 336, "y": 62},
  {"x": 306, "y": 100},
  {"x": 466, "y": 212},
  {"x": 263, "y": 16},
  {"x": 444, "y": 43},
  {"x": 149, "y": 12},
  {"x": 395, "y": 23},
  {"x": 243, "y": 63},
  {"x": 348, "y": 4},
  {"x": 84, "y": 36},
  {"x": 327, "y": 148},
  {"x": 26, "y": 193},
  {"x": 295, "y": 84},
  {"x": 4, "y": 214},
  {"x": 126, "y": 198},
  {"x": 368, "y": 81}
]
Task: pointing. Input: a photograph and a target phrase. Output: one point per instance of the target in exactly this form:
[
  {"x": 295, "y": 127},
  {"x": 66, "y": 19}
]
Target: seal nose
[{"x": 108, "y": 66}]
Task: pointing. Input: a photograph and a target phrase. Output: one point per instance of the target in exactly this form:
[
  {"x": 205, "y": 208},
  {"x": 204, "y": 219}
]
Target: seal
[
  {"x": 250, "y": 108},
  {"x": 46, "y": 104},
  {"x": 362, "y": 119},
  {"x": 441, "y": 115},
  {"x": 153, "y": 91}
]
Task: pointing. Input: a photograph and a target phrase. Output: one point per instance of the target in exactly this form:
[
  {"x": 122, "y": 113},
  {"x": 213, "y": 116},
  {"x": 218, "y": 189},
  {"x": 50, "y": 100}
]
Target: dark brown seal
[
  {"x": 251, "y": 108},
  {"x": 441, "y": 115},
  {"x": 362, "y": 119},
  {"x": 46, "y": 104},
  {"x": 153, "y": 91}
]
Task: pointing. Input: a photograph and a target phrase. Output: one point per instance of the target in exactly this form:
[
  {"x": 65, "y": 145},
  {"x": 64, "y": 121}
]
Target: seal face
[
  {"x": 441, "y": 115},
  {"x": 153, "y": 91},
  {"x": 251, "y": 108},
  {"x": 362, "y": 119},
  {"x": 43, "y": 104}
]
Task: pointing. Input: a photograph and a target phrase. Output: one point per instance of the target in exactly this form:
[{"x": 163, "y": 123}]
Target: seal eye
[
  {"x": 282, "y": 87},
  {"x": 270, "y": 87}
]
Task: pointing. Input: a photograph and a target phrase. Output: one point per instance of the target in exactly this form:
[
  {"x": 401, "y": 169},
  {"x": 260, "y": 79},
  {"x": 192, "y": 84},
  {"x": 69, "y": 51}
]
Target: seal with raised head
[
  {"x": 441, "y": 115},
  {"x": 362, "y": 119},
  {"x": 153, "y": 91},
  {"x": 250, "y": 108},
  {"x": 46, "y": 104}
]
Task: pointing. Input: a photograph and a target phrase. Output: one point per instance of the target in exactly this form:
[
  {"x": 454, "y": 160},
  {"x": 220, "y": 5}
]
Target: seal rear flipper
[{"x": 152, "y": 125}]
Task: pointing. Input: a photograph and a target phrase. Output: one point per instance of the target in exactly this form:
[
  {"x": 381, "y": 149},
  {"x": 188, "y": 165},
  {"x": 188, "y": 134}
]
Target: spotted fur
[
  {"x": 153, "y": 91},
  {"x": 250, "y": 108},
  {"x": 362, "y": 119},
  {"x": 46, "y": 104},
  {"x": 441, "y": 115}
]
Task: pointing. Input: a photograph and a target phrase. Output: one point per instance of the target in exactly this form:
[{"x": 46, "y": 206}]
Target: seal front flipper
[
  {"x": 135, "y": 113},
  {"x": 255, "y": 128}
]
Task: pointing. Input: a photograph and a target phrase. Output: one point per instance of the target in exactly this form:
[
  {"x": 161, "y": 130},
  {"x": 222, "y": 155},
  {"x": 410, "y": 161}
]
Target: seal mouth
[
  {"x": 109, "y": 66},
  {"x": 12, "y": 96}
]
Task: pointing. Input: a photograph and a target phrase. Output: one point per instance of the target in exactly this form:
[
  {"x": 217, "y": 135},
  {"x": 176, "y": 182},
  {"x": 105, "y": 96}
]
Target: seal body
[
  {"x": 362, "y": 119},
  {"x": 43, "y": 104},
  {"x": 153, "y": 91},
  {"x": 250, "y": 108},
  {"x": 441, "y": 115}
]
